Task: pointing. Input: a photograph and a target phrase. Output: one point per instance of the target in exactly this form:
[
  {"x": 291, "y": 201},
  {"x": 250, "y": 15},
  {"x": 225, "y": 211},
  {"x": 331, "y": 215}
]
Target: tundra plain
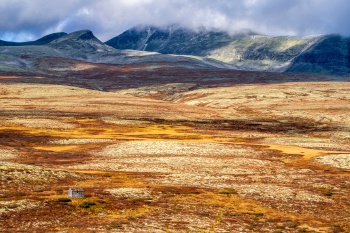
[{"x": 165, "y": 148}]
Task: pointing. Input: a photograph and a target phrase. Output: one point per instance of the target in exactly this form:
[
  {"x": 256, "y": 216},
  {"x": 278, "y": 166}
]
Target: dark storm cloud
[{"x": 30, "y": 19}]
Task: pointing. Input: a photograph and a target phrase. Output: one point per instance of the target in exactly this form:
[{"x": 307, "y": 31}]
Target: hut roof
[{"x": 76, "y": 189}]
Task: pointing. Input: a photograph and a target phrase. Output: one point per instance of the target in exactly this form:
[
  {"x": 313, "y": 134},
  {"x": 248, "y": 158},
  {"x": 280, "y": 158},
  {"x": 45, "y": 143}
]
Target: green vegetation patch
[
  {"x": 64, "y": 199},
  {"x": 87, "y": 204},
  {"x": 228, "y": 191}
]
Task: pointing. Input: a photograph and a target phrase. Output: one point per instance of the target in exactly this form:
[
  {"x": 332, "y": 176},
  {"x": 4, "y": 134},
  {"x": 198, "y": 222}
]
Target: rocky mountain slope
[
  {"x": 247, "y": 51},
  {"x": 83, "y": 45},
  {"x": 83, "y": 40},
  {"x": 173, "y": 40}
]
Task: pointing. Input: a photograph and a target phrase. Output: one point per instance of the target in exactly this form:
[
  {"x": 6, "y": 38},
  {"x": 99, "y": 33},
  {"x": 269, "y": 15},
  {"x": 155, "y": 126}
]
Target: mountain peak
[
  {"x": 51, "y": 37},
  {"x": 81, "y": 42},
  {"x": 81, "y": 35}
]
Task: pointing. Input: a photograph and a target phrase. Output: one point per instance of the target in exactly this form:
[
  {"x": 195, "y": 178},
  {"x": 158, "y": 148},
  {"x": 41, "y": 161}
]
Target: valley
[{"x": 160, "y": 147}]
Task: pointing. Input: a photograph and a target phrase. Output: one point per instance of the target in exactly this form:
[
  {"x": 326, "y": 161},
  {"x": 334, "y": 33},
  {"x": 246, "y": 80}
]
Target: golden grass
[
  {"x": 92, "y": 129},
  {"x": 57, "y": 148},
  {"x": 296, "y": 150},
  {"x": 110, "y": 180},
  {"x": 232, "y": 203},
  {"x": 131, "y": 213}
]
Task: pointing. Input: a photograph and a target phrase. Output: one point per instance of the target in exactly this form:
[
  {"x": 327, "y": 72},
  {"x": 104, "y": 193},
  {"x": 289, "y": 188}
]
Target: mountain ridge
[
  {"x": 83, "y": 42},
  {"x": 41, "y": 41},
  {"x": 246, "y": 51},
  {"x": 83, "y": 45},
  {"x": 211, "y": 48},
  {"x": 161, "y": 39}
]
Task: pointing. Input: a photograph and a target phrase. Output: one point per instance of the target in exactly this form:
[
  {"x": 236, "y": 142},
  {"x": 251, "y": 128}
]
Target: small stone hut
[{"x": 76, "y": 192}]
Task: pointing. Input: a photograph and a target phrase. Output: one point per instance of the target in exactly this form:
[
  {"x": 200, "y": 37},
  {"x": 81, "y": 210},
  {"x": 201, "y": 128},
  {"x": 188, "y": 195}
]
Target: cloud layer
[{"x": 22, "y": 20}]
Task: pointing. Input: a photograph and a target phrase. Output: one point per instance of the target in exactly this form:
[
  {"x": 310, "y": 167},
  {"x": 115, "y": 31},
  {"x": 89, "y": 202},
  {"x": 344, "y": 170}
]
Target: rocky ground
[{"x": 174, "y": 156}]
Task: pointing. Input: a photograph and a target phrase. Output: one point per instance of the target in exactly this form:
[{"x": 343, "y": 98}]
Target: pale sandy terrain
[
  {"x": 339, "y": 160},
  {"x": 39, "y": 123},
  {"x": 7, "y": 154}
]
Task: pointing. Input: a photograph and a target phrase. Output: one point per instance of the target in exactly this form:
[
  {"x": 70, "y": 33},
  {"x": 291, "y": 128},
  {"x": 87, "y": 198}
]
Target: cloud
[{"x": 28, "y": 19}]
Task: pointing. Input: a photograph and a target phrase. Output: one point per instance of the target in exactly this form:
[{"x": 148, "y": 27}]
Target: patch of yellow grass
[
  {"x": 91, "y": 128},
  {"x": 57, "y": 148},
  {"x": 132, "y": 213},
  {"x": 289, "y": 44},
  {"x": 232, "y": 202},
  {"x": 296, "y": 150}
]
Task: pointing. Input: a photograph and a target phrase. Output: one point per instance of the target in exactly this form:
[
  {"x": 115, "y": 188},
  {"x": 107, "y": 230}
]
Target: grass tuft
[
  {"x": 64, "y": 199},
  {"x": 87, "y": 204},
  {"x": 228, "y": 191}
]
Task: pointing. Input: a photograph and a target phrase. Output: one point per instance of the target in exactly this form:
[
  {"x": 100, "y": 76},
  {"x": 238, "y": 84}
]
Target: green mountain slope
[{"x": 248, "y": 50}]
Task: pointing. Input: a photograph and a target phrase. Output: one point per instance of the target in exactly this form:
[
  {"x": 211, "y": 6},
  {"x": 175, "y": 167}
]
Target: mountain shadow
[{"x": 331, "y": 55}]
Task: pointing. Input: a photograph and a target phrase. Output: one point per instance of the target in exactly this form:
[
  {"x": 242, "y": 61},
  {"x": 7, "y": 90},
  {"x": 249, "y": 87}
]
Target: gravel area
[
  {"x": 7, "y": 154},
  {"x": 17, "y": 174},
  {"x": 40, "y": 123},
  {"x": 174, "y": 156},
  {"x": 264, "y": 175},
  {"x": 179, "y": 164},
  {"x": 175, "y": 148},
  {"x": 336, "y": 160},
  {"x": 80, "y": 141},
  {"x": 130, "y": 192},
  {"x": 18, "y": 205},
  {"x": 306, "y": 142},
  {"x": 280, "y": 193}
]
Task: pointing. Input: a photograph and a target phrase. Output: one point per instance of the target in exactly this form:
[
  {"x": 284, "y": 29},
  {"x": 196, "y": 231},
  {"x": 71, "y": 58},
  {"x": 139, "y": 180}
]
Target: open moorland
[{"x": 165, "y": 148}]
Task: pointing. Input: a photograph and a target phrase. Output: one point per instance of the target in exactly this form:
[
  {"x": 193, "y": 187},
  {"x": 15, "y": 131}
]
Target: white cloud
[
  {"x": 59, "y": 27},
  {"x": 108, "y": 18}
]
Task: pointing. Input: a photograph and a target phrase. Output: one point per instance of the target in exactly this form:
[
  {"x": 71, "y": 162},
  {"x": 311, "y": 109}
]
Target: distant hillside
[
  {"x": 247, "y": 50},
  {"x": 173, "y": 40},
  {"x": 328, "y": 54},
  {"x": 331, "y": 55},
  {"x": 83, "y": 45},
  {"x": 44, "y": 40}
]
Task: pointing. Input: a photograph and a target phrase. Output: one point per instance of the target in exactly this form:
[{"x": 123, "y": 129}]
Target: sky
[{"x": 24, "y": 20}]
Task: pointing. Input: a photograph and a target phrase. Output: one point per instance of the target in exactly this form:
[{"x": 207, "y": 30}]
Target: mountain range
[
  {"x": 326, "y": 54},
  {"x": 83, "y": 45},
  {"x": 203, "y": 48}
]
